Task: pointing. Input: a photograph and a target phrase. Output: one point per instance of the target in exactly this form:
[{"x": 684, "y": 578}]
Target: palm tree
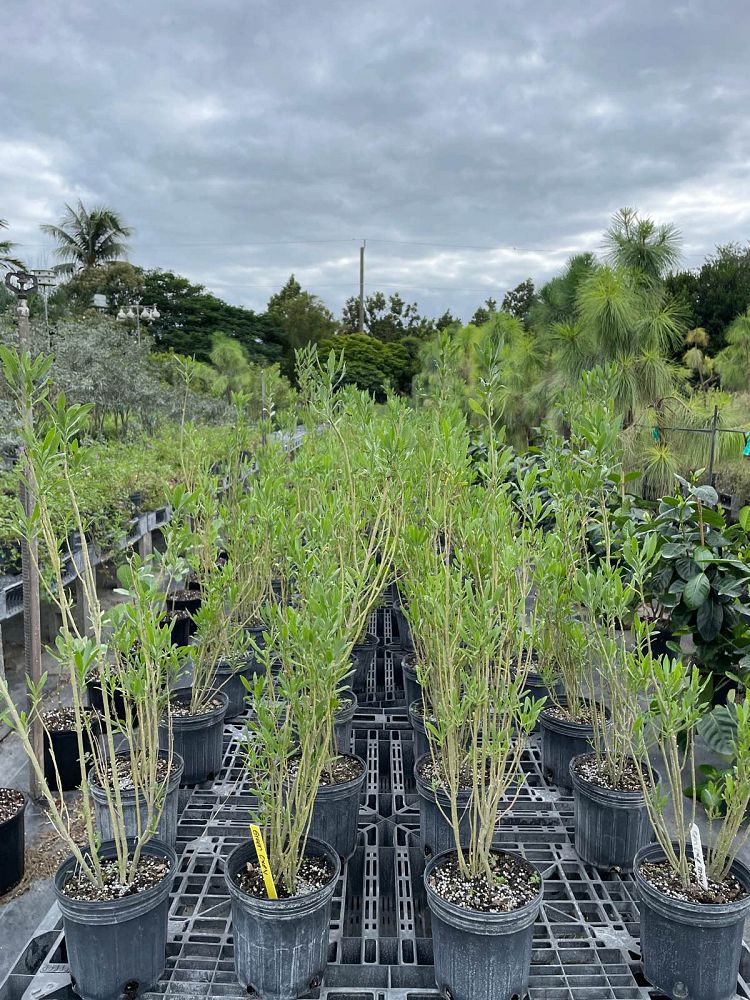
[
  {"x": 87, "y": 239},
  {"x": 641, "y": 246},
  {"x": 635, "y": 329},
  {"x": 7, "y": 262}
]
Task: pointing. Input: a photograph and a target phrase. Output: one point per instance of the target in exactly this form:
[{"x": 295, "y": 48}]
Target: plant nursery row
[{"x": 398, "y": 713}]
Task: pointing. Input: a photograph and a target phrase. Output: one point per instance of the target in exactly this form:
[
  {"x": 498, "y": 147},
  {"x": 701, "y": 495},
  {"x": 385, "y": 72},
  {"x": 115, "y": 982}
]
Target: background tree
[
  {"x": 119, "y": 281},
  {"x": 372, "y": 364},
  {"x": 190, "y": 316},
  {"x": 302, "y": 316},
  {"x": 483, "y": 314},
  {"x": 733, "y": 363},
  {"x": 642, "y": 246},
  {"x": 389, "y": 318},
  {"x": 718, "y": 293},
  {"x": 519, "y": 300},
  {"x": 7, "y": 261},
  {"x": 88, "y": 239},
  {"x": 696, "y": 359},
  {"x": 556, "y": 300}
]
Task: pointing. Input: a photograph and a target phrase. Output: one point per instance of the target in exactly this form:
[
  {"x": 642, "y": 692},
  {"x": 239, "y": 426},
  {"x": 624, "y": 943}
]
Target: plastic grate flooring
[{"x": 585, "y": 939}]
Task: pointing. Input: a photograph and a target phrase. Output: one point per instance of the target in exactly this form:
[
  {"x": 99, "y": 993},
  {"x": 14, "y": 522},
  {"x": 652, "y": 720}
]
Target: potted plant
[
  {"x": 611, "y": 816},
  {"x": 194, "y": 543},
  {"x": 701, "y": 581},
  {"x": 280, "y": 928},
  {"x": 255, "y": 517},
  {"x": 578, "y": 476},
  {"x": 197, "y": 713},
  {"x": 483, "y": 900},
  {"x": 349, "y": 518},
  {"x": 12, "y": 842},
  {"x": 693, "y": 901},
  {"x": 143, "y": 665},
  {"x": 113, "y": 896}
]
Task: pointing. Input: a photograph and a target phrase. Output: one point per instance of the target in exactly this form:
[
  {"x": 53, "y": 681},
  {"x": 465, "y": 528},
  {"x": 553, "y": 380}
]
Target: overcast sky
[{"x": 471, "y": 143}]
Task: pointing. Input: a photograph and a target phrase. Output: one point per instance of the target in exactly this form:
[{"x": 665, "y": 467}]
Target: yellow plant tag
[{"x": 265, "y": 867}]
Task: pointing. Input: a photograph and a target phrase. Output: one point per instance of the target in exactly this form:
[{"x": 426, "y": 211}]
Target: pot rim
[
  {"x": 20, "y": 813},
  {"x": 370, "y": 640},
  {"x": 427, "y": 791},
  {"x": 344, "y": 787},
  {"x": 295, "y": 906},
  {"x": 346, "y": 712},
  {"x": 687, "y": 911},
  {"x": 116, "y": 911},
  {"x": 201, "y": 721},
  {"x": 628, "y": 797},
  {"x": 413, "y": 714},
  {"x": 129, "y": 793},
  {"x": 409, "y": 661},
  {"x": 565, "y": 727},
  {"x": 478, "y": 921}
]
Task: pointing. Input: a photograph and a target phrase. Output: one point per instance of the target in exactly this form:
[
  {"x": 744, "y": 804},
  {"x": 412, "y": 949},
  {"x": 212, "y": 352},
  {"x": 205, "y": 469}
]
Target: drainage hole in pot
[
  {"x": 131, "y": 989},
  {"x": 316, "y": 980},
  {"x": 251, "y": 990}
]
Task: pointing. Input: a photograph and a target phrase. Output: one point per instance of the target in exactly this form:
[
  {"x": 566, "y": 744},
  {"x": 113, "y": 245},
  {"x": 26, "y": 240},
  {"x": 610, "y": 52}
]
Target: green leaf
[
  {"x": 672, "y": 550},
  {"x": 744, "y": 518},
  {"x": 709, "y": 620},
  {"x": 706, "y": 495},
  {"x": 703, "y": 556},
  {"x": 696, "y": 591},
  {"x": 719, "y": 729}
]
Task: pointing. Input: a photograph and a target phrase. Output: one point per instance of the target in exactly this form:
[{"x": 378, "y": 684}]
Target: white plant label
[{"x": 700, "y": 865}]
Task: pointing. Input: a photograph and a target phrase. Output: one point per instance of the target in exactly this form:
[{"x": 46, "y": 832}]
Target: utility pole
[
  {"x": 362, "y": 286},
  {"x": 22, "y": 285}
]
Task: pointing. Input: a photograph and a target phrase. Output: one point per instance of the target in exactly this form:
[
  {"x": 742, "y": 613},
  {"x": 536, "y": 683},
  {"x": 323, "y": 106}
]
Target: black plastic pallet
[{"x": 585, "y": 939}]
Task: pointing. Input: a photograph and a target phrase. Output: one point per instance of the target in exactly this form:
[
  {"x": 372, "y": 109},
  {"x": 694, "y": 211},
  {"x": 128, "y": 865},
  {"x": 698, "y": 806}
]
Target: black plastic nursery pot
[
  {"x": 280, "y": 945},
  {"x": 416, "y": 719},
  {"x": 363, "y": 656},
  {"x": 336, "y": 811},
  {"x": 198, "y": 739},
  {"x": 611, "y": 826},
  {"x": 343, "y": 721},
  {"x": 690, "y": 950},
  {"x": 116, "y": 699},
  {"x": 435, "y": 832},
  {"x": 480, "y": 956},
  {"x": 166, "y": 830},
  {"x": 561, "y": 742},
  {"x": 117, "y": 947},
  {"x": 229, "y": 680},
  {"x": 412, "y": 687},
  {"x": 188, "y": 600},
  {"x": 12, "y": 837},
  {"x": 536, "y": 688},
  {"x": 180, "y": 628},
  {"x": 403, "y": 629},
  {"x": 64, "y": 749}
]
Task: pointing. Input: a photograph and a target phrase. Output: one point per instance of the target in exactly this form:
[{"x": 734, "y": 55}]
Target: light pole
[
  {"x": 46, "y": 278},
  {"x": 136, "y": 311},
  {"x": 22, "y": 285}
]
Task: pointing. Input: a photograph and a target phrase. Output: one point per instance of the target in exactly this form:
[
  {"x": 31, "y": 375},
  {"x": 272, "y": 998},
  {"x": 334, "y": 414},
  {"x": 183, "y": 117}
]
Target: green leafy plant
[{"x": 127, "y": 650}]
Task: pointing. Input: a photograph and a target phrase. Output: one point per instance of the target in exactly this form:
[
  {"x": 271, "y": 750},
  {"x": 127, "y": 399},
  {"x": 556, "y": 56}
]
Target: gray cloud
[{"x": 472, "y": 144}]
